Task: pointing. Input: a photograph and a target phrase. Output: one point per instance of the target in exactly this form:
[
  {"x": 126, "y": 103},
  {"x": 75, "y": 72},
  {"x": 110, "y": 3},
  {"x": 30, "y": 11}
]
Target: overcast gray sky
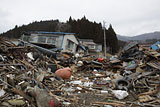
[{"x": 128, "y": 17}]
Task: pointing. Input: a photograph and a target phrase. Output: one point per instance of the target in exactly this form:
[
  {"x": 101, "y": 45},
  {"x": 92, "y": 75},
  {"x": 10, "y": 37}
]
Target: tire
[{"x": 123, "y": 84}]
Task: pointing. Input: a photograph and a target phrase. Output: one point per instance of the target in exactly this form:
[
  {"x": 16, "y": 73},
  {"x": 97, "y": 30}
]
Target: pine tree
[{"x": 113, "y": 40}]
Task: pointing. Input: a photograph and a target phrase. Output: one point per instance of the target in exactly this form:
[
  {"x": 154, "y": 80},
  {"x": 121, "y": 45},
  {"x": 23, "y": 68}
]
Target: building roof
[
  {"x": 58, "y": 33},
  {"x": 90, "y": 43},
  {"x": 86, "y": 40}
]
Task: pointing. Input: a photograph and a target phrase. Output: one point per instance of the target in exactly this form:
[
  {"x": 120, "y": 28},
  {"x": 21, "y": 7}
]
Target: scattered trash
[
  {"x": 131, "y": 65},
  {"x": 104, "y": 92},
  {"x": 64, "y": 73},
  {"x": 145, "y": 98},
  {"x": 120, "y": 94},
  {"x": 16, "y": 102},
  {"x": 156, "y": 46},
  {"x": 80, "y": 63},
  {"x": 30, "y": 55},
  {"x": 108, "y": 106},
  {"x": 32, "y": 76},
  {"x": 2, "y": 92},
  {"x": 100, "y": 59},
  {"x": 43, "y": 98}
]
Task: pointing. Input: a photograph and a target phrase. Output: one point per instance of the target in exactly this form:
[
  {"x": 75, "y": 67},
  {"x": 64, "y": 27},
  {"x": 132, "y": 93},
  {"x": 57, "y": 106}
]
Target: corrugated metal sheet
[
  {"x": 154, "y": 64},
  {"x": 130, "y": 45}
]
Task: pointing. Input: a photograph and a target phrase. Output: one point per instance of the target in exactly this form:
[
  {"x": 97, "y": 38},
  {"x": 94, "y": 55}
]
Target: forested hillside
[{"x": 83, "y": 28}]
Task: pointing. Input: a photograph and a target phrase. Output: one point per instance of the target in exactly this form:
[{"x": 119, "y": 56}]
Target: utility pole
[{"x": 104, "y": 39}]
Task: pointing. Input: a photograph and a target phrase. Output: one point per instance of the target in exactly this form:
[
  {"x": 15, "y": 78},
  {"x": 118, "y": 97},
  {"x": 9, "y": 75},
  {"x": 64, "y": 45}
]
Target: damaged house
[
  {"x": 65, "y": 42},
  {"x": 92, "y": 46}
]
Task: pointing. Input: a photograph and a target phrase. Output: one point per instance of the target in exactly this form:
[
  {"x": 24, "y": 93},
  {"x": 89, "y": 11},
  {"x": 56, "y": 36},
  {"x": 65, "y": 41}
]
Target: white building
[
  {"x": 91, "y": 45},
  {"x": 67, "y": 42}
]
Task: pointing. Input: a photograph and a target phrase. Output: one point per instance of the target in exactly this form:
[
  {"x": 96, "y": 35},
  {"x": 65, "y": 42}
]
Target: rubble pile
[{"x": 29, "y": 78}]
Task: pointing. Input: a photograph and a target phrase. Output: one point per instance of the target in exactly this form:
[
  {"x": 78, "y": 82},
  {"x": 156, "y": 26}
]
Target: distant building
[
  {"x": 66, "y": 42},
  {"x": 92, "y": 46}
]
